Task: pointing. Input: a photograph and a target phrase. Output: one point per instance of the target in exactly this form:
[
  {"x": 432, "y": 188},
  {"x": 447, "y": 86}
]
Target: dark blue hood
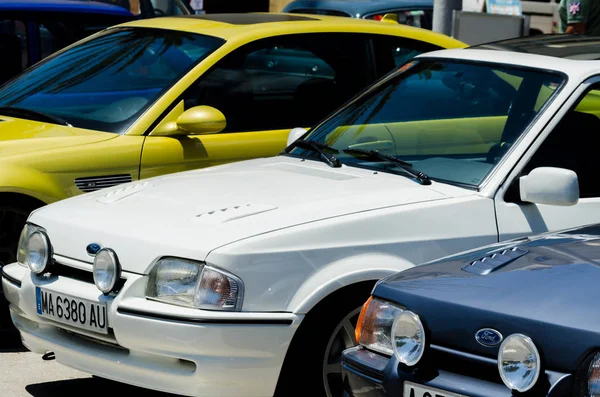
[{"x": 550, "y": 293}]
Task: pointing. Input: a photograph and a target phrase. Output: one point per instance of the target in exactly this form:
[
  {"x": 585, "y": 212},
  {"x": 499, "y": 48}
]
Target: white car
[{"x": 246, "y": 279}]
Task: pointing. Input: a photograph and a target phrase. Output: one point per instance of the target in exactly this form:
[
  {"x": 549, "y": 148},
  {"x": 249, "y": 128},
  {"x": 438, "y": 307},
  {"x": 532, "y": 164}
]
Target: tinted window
[
  {"x": 13, "y": 46},
  {"x": 61, "y": 32},
  {"x": 573, "y": 144},
  {"x": 284, "y": 82},
  {"x": 392, "y": 52},
  {"x": 105, "y": 83},
  {"x": 452, "y": 121}
]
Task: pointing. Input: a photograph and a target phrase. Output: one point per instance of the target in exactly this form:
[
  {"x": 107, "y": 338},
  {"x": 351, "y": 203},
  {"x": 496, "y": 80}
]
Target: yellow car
[{"x": 163, "y": 95}]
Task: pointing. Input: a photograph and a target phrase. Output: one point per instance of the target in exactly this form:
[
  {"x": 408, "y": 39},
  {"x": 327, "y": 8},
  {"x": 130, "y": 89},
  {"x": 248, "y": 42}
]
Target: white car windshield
[
  {"x": 452, "y": 121},
  {"x": 105, "y": 83}
]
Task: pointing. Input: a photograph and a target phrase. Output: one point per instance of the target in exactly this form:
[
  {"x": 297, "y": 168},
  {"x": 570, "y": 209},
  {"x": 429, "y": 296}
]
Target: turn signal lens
[
  {"x": 373, "y": 329},
  {"x": 361, "y": 318}
]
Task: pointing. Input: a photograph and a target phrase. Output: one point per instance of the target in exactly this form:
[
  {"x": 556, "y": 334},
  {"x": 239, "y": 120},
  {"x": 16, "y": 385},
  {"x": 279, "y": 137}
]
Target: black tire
[
  {"x": 14, "y": 211},
  {"x": 303, "y": 371},
  {"x": 12, "y": 220}
]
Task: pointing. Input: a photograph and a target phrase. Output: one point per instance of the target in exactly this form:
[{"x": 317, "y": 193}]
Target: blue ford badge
[
  {"x": 92, "y": 249},
  {"x": 488, "y": 337}
]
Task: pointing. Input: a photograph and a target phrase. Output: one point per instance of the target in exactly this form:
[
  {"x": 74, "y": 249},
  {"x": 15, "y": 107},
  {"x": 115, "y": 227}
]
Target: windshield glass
[
  {"x": 452, "y": 121},
  {"x": 107, "y": 82}
]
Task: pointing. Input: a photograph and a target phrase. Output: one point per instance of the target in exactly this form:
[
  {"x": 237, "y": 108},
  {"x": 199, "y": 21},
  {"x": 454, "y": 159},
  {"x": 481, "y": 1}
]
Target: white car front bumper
[{"x": 156, "y": 345}]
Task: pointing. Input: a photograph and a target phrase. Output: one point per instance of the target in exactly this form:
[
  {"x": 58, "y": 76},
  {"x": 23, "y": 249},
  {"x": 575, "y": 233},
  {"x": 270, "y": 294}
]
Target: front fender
[
  {"x": 344, "y": 272},
  {"x": 30, "y": 182}
]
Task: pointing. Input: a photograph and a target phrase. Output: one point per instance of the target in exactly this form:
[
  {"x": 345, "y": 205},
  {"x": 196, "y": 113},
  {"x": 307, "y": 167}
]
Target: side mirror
[
  {"x": 195, "y": 121},
  {"x": 295, "y": 134},
  {"x": 552, "y": 186}
]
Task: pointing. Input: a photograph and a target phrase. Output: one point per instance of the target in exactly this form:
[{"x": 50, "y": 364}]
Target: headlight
[
  {"x": 374, "y": 326},
  {"x": 519, "y": 362},
  {"x": 27, "y": 231},
  {"x": 593, "y": 383},
  {"x": 107, "y": 270},
  {"x": 37, "y": 252},
  {"x": 189, "y": 283},
  {"x": 408, "y": 338}
]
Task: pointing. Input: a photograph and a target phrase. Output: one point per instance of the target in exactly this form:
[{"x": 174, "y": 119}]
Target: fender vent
[{"x": 91, "y": 184}]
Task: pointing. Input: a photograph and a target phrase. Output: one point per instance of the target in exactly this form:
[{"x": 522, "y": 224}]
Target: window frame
[{"x": 512, "y": 192}]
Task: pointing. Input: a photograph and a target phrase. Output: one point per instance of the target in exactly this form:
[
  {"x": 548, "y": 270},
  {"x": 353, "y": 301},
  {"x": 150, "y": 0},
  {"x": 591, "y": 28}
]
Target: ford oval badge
[
  {"x": 92, "y": 249},
  {"x": 488, "y": 337}
]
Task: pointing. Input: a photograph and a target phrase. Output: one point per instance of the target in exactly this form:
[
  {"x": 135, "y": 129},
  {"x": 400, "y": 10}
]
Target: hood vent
[
  {"x": 91, "y": 184},
  {"x": 227, "y": 214},
  {"x": 495, "y": 261}
]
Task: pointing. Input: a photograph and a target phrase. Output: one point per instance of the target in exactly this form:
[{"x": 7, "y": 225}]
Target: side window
[
  {"x": 393, "y": 52},
  {"x": 574, "y": 143},
  {"x": 281, "y": 83},
  {"x": 420, "y": 18},
  {"x": 13, "y": 44}
]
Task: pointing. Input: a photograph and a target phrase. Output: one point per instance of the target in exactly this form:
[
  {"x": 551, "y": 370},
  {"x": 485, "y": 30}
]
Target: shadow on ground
[
  {"x": 10, "y": 341},
  {"x": 89, "y": 387}
]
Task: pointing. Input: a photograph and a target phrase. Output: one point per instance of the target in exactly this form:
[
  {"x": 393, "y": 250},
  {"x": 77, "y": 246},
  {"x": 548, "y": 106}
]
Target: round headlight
[
  {"x": 408, "y": 338},
  {"x": 106, "y": 270},
  {"x": 37, "y": 252},
  {"x": 593, "y": 380},
  {"x": 519, "y": 362}
]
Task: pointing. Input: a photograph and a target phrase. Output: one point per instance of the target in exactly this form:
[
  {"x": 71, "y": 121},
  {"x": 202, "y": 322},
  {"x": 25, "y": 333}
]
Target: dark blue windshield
[{"x": 105, "y": 83}]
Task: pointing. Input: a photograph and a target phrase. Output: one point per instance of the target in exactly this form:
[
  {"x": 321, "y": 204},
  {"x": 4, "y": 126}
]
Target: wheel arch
[
  {"x": 342, "y": 274},
  {"x": 20, "y": 199},
  {"x": 20, "y": 181}
]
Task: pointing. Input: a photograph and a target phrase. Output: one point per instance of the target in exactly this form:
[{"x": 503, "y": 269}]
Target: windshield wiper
[
  {"x": 33, "y": 115},
  {"x": 320, "y": 148},
  {"x": 374, "y": 154}
]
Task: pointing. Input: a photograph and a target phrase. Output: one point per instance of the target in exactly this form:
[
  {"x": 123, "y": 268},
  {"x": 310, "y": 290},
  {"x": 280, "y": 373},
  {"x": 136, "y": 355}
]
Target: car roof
[
  {"x": 357, "y": 8},
  {"x": 69, "y": 6},
  {"x": 576, "y": 47},
  {"x": 252, "y": 26},
  {"x": 573, "y": 68}
]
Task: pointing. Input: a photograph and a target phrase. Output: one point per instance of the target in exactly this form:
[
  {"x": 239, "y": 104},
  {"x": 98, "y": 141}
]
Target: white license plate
[
  {"x": 75, "y": 312},
  {"x": 414, "y": 390}
]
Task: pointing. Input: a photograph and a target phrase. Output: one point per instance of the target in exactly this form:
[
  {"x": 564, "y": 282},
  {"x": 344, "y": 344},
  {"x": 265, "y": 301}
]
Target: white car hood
[{"x": 192, "y": 213}]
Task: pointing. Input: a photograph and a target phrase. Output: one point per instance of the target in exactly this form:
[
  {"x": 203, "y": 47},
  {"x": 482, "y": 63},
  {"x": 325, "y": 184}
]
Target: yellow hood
[{"x": 25, "y": 136}]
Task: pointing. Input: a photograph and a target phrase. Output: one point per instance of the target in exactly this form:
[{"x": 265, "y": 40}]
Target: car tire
[
  {"x": 12, "y": 219},
  {"x": 312, "y": 364}
]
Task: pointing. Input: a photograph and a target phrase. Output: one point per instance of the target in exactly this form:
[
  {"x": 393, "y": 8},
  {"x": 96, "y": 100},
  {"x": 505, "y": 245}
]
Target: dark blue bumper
[{"x": 368, "y": 374}]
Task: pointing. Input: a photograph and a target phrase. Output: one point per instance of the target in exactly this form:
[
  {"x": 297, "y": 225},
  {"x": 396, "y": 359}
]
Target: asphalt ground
[{"x": 25, "y": 374}]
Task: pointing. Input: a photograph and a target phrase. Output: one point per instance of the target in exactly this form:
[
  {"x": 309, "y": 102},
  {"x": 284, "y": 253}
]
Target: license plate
[
  {"x": 75, "y": 312},
  {"x": 414, "y": 390}
]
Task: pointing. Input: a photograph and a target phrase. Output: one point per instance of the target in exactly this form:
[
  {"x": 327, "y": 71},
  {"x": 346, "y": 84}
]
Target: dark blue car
[
  {"x": 30, "y": 30},
  {"x": 518, "y": 318},
  {"x": 417, "y": 13}
]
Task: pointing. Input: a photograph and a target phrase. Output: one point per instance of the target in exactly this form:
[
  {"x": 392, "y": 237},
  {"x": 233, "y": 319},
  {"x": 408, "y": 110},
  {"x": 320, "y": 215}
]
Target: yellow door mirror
[{"x": 194, "y": 121}]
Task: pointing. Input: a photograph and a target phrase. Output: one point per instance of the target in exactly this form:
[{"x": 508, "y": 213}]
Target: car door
[
  {"x": 14, "y": 34},
  {"x": 263, "y": 89},
  {"x": 572, "y": 144}
]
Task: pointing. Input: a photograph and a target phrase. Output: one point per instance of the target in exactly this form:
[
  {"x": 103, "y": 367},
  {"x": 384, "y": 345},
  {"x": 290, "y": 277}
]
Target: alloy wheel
[{"x": 341, "y": 339}]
